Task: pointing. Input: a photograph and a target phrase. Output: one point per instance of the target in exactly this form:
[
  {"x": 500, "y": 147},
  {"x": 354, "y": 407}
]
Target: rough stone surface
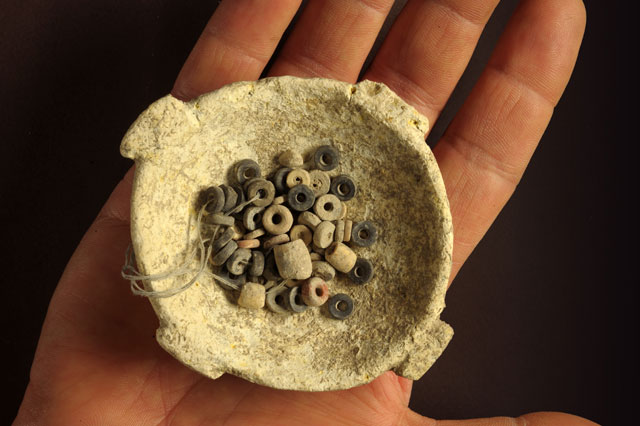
[{"x": 181, "y": 148}]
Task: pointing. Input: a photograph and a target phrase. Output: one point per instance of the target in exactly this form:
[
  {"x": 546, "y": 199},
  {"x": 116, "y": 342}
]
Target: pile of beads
[{"x": 281, "y": 240}]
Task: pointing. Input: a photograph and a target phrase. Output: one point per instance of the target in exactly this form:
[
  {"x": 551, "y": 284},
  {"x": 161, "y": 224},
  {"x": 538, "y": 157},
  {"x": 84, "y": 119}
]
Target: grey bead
[
  {"x": 238, "y": 280},
  {"x": 364, "y": 233},
  {"x": 230, "y": 198},
  {"x": 256, "y": 266},
  {"x": 343, "y": 187},
  {"x": 264, "y": 190},
  {"x": 220, "y": 219},
  {"x": 276, "y": 300},
  {"x": 294, "y": 300},
  {"x": 280, "y": 180},
  {"x": 245, "y": 170},
  {"x": 252, "y": 218},
  {"x": 213, "y": 198},
  {"x": 222, "y": 240},
  {"x": 340, "y": 306},
  {"x": 224, "y": 253},
  {"x": 362, "y": 272},
  {"x": 270, "y": 269},
  {"x": 300, "y": 198},
  {"x": 240, "y": 192},
  {"x": 326, "y": 158},
  {"x": 238, "y": 261}
]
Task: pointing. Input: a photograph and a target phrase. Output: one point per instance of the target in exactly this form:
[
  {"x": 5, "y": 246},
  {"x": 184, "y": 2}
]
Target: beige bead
[
  {"x": 277, "y": 220},
  {"x": 291, "y": 158},
  {"x": 338, "y": 235},
  {"x": 318, "y": 250},
  {"x": 297, "y": 177},
  {"x": 341, "y": 257},
  {"x": 343, "y": 215},
  {"x": 309, "y": 219},
  {"x": 301, "y": 232},
  {"x": 238, "y": 231},
  {"x": 348, "y": 226},
  {"x": 328, "y": 207},
  {"x": 293, "y": 260},
  {"x": 254, "y": 234},
  {"x": 252, "y": 296},
  {"x": 275, "y": 240},
  {"x": 280, "y": 199},
  {"x": 320, "y": 182},
  {"x": 249, "y": 244},
  {"x": 293, "y": 283},
  {"x": 315, "y": 256},
  {"x": 314, "y": 291},
  {"x": 323, "y": 235},
  {"x": 323, "y": 270}
]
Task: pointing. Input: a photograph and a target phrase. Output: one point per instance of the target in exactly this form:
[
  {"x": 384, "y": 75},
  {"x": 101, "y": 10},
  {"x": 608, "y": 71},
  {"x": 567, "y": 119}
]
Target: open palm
[{"x": 97, "y": 360}]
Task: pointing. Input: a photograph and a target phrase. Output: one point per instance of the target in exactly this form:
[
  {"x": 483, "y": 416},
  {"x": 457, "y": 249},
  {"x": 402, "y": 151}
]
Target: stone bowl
[{"x": 181, "y": 148}]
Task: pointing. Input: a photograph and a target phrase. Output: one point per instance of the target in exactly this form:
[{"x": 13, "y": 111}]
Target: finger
[
  {"x": 428, "y": 48},
  {"x": 332, "y": 39},
  {"x": 235, "y": 45},
  {"x": 532, "y": 419},
  {"x": 486, "y": 148}
]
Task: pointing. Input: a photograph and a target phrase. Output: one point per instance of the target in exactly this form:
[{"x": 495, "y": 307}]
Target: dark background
[{"x": 533, "y": 309}]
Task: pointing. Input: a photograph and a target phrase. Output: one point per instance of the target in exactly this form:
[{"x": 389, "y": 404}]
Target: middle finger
[{"x": 332, "y": 39}]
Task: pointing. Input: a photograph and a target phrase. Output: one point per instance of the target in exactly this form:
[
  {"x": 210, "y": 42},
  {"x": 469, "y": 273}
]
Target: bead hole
[
  {"x": 298, "y": 179},
  {"x": 257, "y": 217},
  {"x": 279, "y": 300},
  {"x": 342, "y": 305},
  {"x": 343, "y": 189},
  {"x": 298, "y": 299},
  {"x": 249, "y": 173},
  {"x": 319, "y": 292},
  {"x": 363, "y": 234},
  {"x": 276, "y": 219},
  {"x": 325, "y": 159},
  {"x": 328, "y": 207},
  {"x": 262, "y": 193},
  {"x": 357, "y": 272},
  {"x": 301, "y": 198}
]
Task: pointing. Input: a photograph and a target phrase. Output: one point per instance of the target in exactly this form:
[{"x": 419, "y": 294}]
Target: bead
[
  {"x": 315, "y": 256},
  {"x": 309, "y": 219},
  {"x": 252, "y": 218},
  {"x": 245, "y": 170},
  {"x": 291, "y": 158},
  {"x": 254, "y": 234},
  {"x": 323, "y": 270},
  {"x": 237, "y": 280},
  {"x": 238, "y": 231},
  {"x": 318, "y": 250},
  {"x": 270, "y": 270},
  {"x": 222, "y": 240},
  {"x": 348, "y": 225},
  {"x": 220, "y": 219},
  {"x": 256, "y": 266},
  {"x": 320, "y": 182},
  {"x": 364, "y": 233},
  {"x": 328, "y": 207},
  {"x": 343, "y": 215},
  {"x": 341, "y": 257},
  {"x": 276, "y": 300},
  {"x": 264, "y": 190},
  {"x": 314, "y": 291},
  {"x": 238, "y": 261},
  {"x": 252, "y": 296},
  {"x": 323, "y": 235},
  {"x": 300, "y": 198},
  {"x": 213, "y": 199},
  {"x": 292, "y": 260},
  {"x": 246, "y": 184},
  {"x": 343, "y": 187},
  {"x": 269, "y": 284},
  {"x": 338, "y": 235},
  {"x": 326, "y": 158},
  {"x": 294, "y": 300},
  {"x": 280, "y": 179},
  {"x": 277, "y": 220},
  {"x": 249, "y": 244},
  {"x": 297, "y": 177},
  {"x": 224, "y": 253},
  {"x": 340, "y": 306},
  {"x": 230, "y": 198},
  {"x": 362, "y": 272},
  {"x": 301, "y": 232},
  {"x": 293, "y": 283},
  {"x": 276, "y": 240},
  {"x": 280, "y": 199},
  {"x": 240, "y": 195}
]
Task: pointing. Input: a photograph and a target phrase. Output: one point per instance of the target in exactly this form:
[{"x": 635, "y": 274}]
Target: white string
[{"x": 129, "y": 272}]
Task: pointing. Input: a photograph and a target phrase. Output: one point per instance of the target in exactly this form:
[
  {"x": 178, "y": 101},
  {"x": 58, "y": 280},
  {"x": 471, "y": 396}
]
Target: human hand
[{"x": 97, "y": 361}]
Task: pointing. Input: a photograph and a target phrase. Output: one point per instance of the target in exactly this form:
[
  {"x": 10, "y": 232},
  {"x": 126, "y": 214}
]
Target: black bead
[
  {"x": 213, "y": 198},
  {"x": 343, "y": 187},
  {"x": 256, "y": 267},
  {"x": 230, "y": 197},
  {"x": 280, "y": 178},
  {"x": 222, "y": 240},
  {"x": 340, "y": 306},
  {"x": 364, "y": 233},
  {"x": 362, "y": 271},
  {"x": 301, "y": 198},
  {"x": 238, "y": 280},
  {"x": 245, "y": 170},
  {"x": 326, "y": 158},
  {"x": 270, "y": 269},
  {"x": 237, "y": 263},
  {"x": 240, "y": 192},
  {"x": 252, "y": 218}
]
